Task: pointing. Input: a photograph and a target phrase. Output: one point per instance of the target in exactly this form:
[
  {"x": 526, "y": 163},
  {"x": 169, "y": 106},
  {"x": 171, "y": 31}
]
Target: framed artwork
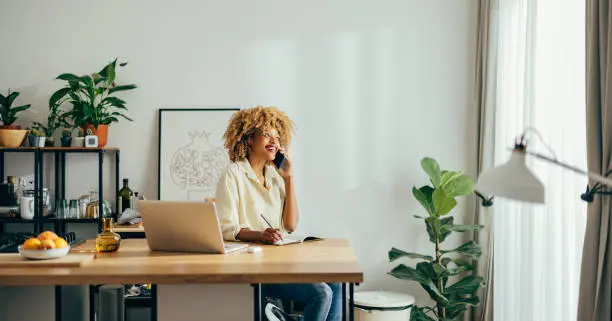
[{"x": 191, "y": 152}]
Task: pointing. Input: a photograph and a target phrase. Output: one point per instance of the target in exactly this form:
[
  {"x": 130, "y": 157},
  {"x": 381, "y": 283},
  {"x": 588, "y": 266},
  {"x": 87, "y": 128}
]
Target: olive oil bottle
[
  {"x": 107, "y": 240},
  {"x": 125, "y": 197}
]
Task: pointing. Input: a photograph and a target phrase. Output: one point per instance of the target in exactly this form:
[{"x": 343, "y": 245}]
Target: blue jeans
[{"x": 323, "y": 300}]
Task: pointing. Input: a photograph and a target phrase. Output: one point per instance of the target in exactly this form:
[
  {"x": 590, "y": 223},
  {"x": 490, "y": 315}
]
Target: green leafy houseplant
[
  {"x": 434, "y": 272},
  {"x": 56, "y": 119},
  {"x": 8, "y": 114},
  {"x": 92, "y": 97}
]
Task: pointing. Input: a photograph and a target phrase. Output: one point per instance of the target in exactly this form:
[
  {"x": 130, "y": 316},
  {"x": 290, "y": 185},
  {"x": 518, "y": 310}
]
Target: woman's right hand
[{"x": 271, "y": 235}]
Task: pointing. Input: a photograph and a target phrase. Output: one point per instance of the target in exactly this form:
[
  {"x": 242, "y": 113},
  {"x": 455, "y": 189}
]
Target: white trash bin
[{"x": 382, "y": 306}]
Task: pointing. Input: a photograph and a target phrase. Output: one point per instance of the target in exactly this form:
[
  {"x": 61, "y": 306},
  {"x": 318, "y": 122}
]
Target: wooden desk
[{"x": 330, "y": 260}]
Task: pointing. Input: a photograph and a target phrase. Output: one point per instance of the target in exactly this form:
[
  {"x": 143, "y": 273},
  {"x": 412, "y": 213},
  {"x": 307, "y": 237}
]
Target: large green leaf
[
  {"x": 11, "y": 98},
  {"x": 455, "y": 313},
  {"x": 59, "y": 94},
  {"x": 407, "y": 273},
  {"x": 433, "y": 228},
  {"x": 431, "y": 167},
  {"x": 17, "y": 109},
  {"x": 455, "y": 300},
  {"x": 445, "y": 221},
  {"x": 121, "y": 88},
  {"x": 443, "y": 204},
  {"x": 470, "y": 249},
  {"x": 423, "y": 195},
  {"x": 465, "y": 286},
  {"x": 418, "y": 314},
  {"x": 448, "y": 176},
  {"x": 443, "y": 272},
  {"x": 72, "y": 78},
  {"x": 395, "y": 254},
  {"x": 461, "y": 185},
  {"x": 427, "y": 271},
  {"x": 461, "y": 228},
  {"x": 113, "y": 101}
]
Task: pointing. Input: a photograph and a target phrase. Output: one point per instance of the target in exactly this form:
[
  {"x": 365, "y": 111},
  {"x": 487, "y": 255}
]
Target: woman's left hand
[{"x": 285, "y": 170}]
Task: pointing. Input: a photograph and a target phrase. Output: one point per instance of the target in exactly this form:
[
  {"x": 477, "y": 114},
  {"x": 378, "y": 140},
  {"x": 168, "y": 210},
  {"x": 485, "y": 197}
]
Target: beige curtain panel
[{"x": 595, "y": 299}]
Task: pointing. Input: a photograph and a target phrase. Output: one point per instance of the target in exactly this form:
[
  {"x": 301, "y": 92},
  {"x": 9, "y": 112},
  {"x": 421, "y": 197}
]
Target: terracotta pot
[
  {"x": 101, "y": 132},
  {"x": 12, "y": 138}
]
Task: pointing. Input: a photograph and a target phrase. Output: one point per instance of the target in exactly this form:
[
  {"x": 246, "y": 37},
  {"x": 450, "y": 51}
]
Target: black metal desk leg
[
  {"x": 58, "y": 303},
  {"x": 258, "y": 316},
  {"x": 92, "y": 303},
  {"x": 344, "y": 302},
  {"x": 351, "y": 302}
]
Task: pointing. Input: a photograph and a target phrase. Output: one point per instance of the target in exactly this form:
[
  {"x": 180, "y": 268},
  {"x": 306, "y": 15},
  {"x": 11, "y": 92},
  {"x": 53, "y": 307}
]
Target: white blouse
[{"x": 241, "y": 199}]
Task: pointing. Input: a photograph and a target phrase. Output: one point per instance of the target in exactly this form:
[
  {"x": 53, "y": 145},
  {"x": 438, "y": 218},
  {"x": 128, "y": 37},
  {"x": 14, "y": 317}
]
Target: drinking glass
[{"x": 74, "y": 209}]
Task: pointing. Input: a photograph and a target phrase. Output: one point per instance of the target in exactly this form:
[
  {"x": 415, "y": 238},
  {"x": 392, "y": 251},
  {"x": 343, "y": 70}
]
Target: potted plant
[
  {"x": 441, "y": 274},
  {"x": 93, "y": 100},
  {"x": 55, "y": 120},
  {"x": 11, "y": 135},
  {"x": 91, "y": 140},
  {"x": 36, "y": 137},
  {"x": 66, "y": 139},
  {"x": 79, "y": 141}
]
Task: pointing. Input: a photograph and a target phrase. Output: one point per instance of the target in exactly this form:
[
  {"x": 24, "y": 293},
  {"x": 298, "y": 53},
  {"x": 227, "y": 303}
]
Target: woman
[{"x": 252, "y": 191}]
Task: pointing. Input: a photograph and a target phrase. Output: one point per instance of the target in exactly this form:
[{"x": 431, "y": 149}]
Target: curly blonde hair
[{"x": 245, "y": 123}]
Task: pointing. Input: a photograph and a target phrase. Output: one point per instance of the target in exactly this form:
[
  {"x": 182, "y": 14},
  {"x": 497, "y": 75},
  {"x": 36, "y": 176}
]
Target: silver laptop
[{"x": 184, "y": 226}]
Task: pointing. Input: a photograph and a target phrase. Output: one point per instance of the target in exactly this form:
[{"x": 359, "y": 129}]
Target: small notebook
[{"x": 291, "y": 239}]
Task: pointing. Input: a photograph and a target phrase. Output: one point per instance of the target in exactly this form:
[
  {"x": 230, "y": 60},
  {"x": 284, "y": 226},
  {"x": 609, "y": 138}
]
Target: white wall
[{"x": 373, "y": 86}]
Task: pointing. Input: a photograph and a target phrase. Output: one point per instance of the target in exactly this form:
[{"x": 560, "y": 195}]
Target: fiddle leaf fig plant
[{"x": 441, "y": 273}]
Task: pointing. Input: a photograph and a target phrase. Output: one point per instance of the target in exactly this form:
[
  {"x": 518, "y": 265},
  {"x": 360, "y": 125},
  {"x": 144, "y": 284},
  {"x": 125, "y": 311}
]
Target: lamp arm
[{"x": 592, "y": 175}]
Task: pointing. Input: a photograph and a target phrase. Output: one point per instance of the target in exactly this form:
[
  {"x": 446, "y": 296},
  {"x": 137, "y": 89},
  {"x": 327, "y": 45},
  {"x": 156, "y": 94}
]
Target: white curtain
[{"x": 539, "y": 83}]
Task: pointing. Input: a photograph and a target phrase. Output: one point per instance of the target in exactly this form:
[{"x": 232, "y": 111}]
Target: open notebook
[{"x": 291, "y": 239}]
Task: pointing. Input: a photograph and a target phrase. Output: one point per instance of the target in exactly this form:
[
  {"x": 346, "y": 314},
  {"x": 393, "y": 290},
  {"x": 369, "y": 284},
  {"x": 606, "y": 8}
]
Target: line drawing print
[{"x": 196, "y": 166}]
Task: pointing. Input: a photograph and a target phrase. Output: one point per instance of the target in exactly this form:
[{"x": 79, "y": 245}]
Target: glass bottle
[
  {"x": 107, "y": 240},
  {"x": 125, "y": 197}
]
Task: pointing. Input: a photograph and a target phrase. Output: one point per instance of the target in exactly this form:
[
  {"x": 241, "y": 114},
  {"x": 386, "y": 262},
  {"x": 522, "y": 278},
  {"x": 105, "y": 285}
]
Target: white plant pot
[{"x": 78, "y": 141}]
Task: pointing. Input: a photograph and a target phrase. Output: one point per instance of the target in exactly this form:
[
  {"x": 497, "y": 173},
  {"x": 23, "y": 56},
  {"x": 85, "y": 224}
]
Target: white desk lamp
[{"x": 515, "y": 181}]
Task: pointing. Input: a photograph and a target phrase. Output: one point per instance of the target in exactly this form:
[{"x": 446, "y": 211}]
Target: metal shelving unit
[{"x": 59, "y": 153}]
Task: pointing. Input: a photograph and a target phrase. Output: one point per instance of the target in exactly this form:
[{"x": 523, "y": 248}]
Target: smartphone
[{"x": 279, "y": 159}]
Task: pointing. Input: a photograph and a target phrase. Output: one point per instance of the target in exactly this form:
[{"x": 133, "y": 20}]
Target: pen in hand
[{"x": 270, "y": 225}]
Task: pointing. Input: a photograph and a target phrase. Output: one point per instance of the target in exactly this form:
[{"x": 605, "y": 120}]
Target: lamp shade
[{"x": 512, "y": 180}]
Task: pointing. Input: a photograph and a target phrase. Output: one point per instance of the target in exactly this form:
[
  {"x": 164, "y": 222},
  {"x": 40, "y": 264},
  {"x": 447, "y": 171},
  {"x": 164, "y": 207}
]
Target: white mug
[{"x": 27, "y": 207}]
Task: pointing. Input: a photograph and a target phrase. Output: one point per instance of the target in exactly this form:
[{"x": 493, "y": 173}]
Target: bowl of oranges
[{"x": 47, "y": 245}]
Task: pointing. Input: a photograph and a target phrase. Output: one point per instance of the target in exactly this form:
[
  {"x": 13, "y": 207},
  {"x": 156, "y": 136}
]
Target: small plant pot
[
  {"x": 101, "y": 132},
  {"x": 36, "y": 141},
  {"x": 50, "y": 142},
  {"x": 91, "y": 141},
  {"x": 66, "y": 141},
  {"x": 78, "y": 142}
]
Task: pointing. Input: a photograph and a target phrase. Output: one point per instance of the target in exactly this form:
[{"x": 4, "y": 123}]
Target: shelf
[
  {"x": 70, "y": 220},
  {"x": 60, "y": 149},
  {"x": 18, "y": 149},
  {"x": 14, "y": 220}
]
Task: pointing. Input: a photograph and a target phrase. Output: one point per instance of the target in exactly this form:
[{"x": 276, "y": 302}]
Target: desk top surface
[{"x": 329, "y": 260}]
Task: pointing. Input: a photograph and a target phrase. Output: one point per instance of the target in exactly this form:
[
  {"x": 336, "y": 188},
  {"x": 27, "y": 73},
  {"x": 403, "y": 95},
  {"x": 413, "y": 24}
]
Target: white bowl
[{"x": 43, "y": 254}]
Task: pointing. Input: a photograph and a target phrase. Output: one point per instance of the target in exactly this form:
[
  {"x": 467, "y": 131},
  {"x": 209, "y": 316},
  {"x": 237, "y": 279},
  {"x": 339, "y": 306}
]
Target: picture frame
[{"x": 191, "y": 155}]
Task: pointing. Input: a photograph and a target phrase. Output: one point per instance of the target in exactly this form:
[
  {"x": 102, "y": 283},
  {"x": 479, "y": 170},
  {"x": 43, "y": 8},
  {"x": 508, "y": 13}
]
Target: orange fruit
[
  {"x": 32, "y": 244},
  {"x": 47, "y": 235},
  {"x": 60, "y": 242},
  {"x": 47, "y": 244}
]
